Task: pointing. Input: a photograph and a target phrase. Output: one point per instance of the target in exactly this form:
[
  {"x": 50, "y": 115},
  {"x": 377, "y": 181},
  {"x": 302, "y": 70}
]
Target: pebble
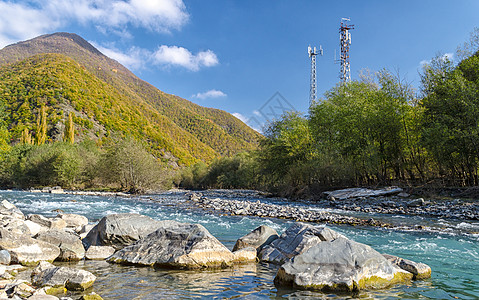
[{"x": 260, "y": 209}]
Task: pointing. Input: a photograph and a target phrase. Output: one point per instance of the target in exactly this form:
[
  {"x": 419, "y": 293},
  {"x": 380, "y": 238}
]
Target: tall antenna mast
[
  {"x": 312, "y": 52},
  {"x": 345, "y": 42}
]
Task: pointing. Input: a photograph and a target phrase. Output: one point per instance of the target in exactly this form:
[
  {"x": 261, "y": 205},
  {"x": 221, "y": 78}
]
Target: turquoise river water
[{"x": 452, "y": 252}]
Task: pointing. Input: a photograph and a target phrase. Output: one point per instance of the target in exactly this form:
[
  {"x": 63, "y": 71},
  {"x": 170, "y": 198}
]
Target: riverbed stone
[
  {"x": 43, "y": 297},
  {"x": 5, "y": 257},
  {"x": 91, "y": 296},
  {"x": 416, "y": 202},
  {"x": 71, "y": 247},
  {"x": 71, "y": 279},
  {"x": 295, "y": 240},
  {"x": 99, "y": 252},
  {"x": 120, "y": 230},
  {"x": 35, "y": 228},
  {"x": 258, "y": 238},
  {"x": 25, "y": 250},
  {"x": 8, "y": 209},
  {"x": 14, "y": 225},
  {"x": 177, "y": 245},
  {"x": 74, "y": 221},
  {"x": 245, "y": 255},
  {"x": 340, "y": 265},
  {"x": 419, "y": 270},
  {"x": 52, "y": 223}
]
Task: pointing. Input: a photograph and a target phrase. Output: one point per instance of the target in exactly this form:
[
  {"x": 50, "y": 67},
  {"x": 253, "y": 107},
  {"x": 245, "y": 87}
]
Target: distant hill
[{"x": 67, "y": 74}]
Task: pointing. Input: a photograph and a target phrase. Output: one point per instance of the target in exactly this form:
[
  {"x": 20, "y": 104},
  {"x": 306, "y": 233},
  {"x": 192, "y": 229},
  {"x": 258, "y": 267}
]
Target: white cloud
[
  {"x": 449, "y": 56},
  {"x": 133, "y": 59},
  {"x": 210, "y": 94},
  {"x": 137, "y": 58},
  {"x": 240, "y": 116},
  {"x": 179, "y": 56},
  {"x": 25, "y": 19},
  {"x": 20, "y": 22}
]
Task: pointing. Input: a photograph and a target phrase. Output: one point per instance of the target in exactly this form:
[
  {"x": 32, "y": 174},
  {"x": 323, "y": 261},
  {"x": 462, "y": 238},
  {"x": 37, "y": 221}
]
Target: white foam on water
[{"x": 465, "y": 225}]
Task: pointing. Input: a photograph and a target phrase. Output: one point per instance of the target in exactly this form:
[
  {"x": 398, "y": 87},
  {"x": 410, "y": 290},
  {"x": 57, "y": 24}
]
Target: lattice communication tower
[
  {"x": 345, "y": 42},
  {"x": 313, "y": 52}
]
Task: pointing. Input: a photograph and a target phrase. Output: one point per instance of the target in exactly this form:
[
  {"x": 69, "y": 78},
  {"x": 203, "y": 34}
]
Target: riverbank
[{"x": 439, "y": 216}]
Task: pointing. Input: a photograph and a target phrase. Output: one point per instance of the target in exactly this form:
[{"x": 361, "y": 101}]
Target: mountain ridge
[{"x": 205, "y": 128}]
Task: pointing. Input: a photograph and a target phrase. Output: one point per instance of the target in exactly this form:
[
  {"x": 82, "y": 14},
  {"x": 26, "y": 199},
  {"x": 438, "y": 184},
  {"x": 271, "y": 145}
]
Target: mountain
[{"x": 67, "y": 74}]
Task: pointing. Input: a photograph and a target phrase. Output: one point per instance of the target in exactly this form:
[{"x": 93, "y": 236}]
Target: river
[{"x": 452, "y": 253}]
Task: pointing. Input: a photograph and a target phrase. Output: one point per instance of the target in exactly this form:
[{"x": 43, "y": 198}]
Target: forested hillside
[{"x": 64, "y": 73}]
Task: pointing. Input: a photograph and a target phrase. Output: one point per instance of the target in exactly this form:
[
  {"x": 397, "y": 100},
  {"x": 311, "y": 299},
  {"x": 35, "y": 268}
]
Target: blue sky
[{"x": 236, "y": 55}]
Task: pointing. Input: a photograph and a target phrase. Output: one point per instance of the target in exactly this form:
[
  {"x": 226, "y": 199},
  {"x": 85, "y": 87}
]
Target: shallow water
[{"x": 452, "y": 254}]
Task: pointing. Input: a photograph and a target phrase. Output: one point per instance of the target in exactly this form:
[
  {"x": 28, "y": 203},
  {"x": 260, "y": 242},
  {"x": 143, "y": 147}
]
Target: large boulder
[
  {"x": 340, "y": 265},
  {"x": 351, "y": 193},
  {"x": 177, "y": 245},
  {"x": 120, "y": 230},
  {"x": 74, "y": 221},
  {"x": 258, "y": 238},
  {"x": 71, "y": 247},
  {"x": 73, "y": 279},
  {"x": 25, "y": 250},
  {"x": 295, "y": 240},
  {"x": 418, "y": 270}
]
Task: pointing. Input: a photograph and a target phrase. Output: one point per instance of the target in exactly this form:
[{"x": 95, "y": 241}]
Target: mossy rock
[
  {"x": 54, "y": 291},
  {"x": 91, "y": 296}
]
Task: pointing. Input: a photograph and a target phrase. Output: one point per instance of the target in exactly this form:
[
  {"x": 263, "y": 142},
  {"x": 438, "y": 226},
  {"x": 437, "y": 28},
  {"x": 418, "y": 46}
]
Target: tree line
[{"x": 373, "y": 131}]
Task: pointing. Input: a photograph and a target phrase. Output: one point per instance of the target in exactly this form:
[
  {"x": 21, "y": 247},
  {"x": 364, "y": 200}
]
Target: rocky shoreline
[
  {"x": 30, "y": 245},
  {"x": 392, "y": 201},
  {"x": 446, "y": 209},
  {"x": 261, "y": 209}
]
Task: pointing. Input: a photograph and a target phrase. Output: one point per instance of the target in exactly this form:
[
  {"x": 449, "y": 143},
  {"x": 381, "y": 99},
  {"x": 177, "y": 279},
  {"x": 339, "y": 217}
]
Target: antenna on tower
[
  {"x": 312, "y": 52},
  {"x": 345, "y": 42}
]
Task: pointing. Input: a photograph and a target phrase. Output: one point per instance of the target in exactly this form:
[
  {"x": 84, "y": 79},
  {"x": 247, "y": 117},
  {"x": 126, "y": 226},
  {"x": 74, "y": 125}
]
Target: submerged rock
[
  {"x": 295, "y": 240},
  {"x": 120, "y": 230},
  {"x": 71, "y": 247},
  {"x": 258, "y": 238},
  {"x": 340, "y": 265},
  {"x": 419, "y": 270},
  {"x": 177, "y": 245},
  {"x": 27, "y": 251}
]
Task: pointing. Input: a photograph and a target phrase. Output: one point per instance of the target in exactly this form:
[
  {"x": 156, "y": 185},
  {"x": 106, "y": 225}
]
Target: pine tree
[
  {"x": 26, "y": 137},
  {"x": 41, "y": 133},
  {"x": 70, "y": 129}
]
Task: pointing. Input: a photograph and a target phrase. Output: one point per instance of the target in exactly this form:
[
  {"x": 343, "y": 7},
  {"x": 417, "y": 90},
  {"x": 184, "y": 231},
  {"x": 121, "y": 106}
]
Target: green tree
[
  {"x": 365, "y": 126},
  {"x": 451, "y": 117},
  {"x": 129, "y": 165},
  {"x": 287, "y": 145},
  {"x": 70, "y": 129}
]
